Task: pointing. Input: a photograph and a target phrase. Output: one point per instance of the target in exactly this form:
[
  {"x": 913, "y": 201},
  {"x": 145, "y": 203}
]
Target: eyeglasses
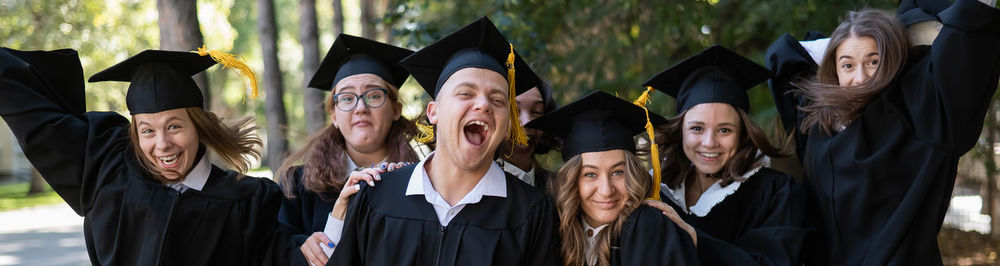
[{"x": 346, "y": 101}]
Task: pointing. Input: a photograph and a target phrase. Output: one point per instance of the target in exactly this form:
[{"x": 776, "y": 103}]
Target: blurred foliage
[{"x": 15, "y": 196}]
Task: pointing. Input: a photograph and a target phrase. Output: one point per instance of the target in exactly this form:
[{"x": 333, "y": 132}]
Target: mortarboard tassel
[
  {"x": 425, "y": 132},
  {"x": 653, "y": 149},
  {"x": 236, "y": 64},
  {"x": 517, "y": 135}
]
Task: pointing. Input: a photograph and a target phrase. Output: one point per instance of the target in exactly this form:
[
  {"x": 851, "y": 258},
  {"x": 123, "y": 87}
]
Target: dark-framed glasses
[{"x": 347, "y": 101}]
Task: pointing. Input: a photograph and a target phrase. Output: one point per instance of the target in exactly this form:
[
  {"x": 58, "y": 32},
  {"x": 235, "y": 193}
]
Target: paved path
[{"x": 46, "y": 235}]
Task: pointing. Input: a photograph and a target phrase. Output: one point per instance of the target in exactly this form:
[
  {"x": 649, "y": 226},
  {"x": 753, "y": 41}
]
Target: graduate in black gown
[
  {"x": 715, "y": 173},
  {"x": 147, "y": 190},
  {"x": 457, "y": 207},
  {"x": 600, "y": 189},
  {"x": 519, "y": 160},
  {"x": 881, "y": 156},
  {"x": 367, "y": 129}
]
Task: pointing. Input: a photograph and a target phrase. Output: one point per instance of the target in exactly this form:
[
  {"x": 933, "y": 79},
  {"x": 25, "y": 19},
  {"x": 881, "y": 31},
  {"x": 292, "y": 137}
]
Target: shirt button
[{"x": 590, "y": 232}]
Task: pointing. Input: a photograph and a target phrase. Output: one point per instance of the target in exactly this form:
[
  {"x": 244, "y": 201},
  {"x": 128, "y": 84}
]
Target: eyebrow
[
  {"x": 619, "y": 163},
  {"x": 172, "y": 118},
  {"x": 850, "y": 57}
]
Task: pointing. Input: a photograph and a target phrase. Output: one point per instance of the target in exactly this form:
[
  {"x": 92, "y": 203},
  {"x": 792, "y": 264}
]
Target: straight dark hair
[{"x": 753, "y": 146}]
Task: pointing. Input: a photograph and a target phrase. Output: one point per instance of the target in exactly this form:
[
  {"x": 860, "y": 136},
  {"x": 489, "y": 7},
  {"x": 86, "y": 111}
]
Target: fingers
[
  {"x": 659, "y": 205},
  {"x": 311, "y": 250}
]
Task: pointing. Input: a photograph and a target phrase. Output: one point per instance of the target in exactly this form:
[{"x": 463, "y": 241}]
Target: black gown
[
  {"x": 129, "y": 219},
  {"x": 305, "y": 214},
  {"x": 650, "y": 238},
  {"x": 385, "y": 227},
  {"x": 762, "y": 223},
  {"x": 879, "y": 189}
]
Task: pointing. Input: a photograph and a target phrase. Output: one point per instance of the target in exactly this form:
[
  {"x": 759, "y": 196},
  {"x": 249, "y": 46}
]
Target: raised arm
[
  {"x": 948, "y": 92},
  {"x": 41, "y": 100},
  {"x": 789, "y": 62}
]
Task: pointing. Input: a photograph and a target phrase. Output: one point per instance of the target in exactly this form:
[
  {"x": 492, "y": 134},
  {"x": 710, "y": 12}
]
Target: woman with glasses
[{"x": 367, "y": 130}]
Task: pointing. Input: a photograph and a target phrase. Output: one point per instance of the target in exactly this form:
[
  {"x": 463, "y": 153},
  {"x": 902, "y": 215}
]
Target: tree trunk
[
  {"x": 277, "y": 121},
  {"x": 386, "y": 32},
  {"x": 309, "y": 37},
  {"x": 338, "y": 17},
  {"x": 179, "y": 31},
  {"x": 368, "y": 19},
  {"x": 37, "y": 182}
]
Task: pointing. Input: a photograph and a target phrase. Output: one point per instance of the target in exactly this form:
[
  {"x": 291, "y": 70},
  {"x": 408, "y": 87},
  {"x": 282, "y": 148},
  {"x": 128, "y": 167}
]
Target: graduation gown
[
  {"x": 129, "y": 219},
  {"x": 383, "y": 226},
  {"x": 880, "y": 188},
  {"x": 304, "y": 214},
  {"x": 761, "y": 223},
  {"x": 650, "y": 238}
]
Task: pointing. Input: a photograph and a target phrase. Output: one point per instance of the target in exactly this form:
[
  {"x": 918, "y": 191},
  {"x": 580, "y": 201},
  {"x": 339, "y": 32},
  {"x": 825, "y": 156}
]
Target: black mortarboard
[
  {"x": 160, "y": 80},
  {"x": 596, "y": 122},
  {"x": 713, "y": 75},
  {"x": 478, "y": 45},
  {"x": 352, "y": 55}
]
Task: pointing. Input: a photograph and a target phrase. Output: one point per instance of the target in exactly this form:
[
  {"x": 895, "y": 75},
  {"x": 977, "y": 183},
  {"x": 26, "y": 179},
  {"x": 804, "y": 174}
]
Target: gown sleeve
[
  {"x": 789, "y": 62},
  {"x": 75, "y": 152},
  {"x": 270, "y": 245},
  {"x": 544, "y": 236},
  {"x": 777, "y": 239},
  {"x": 948, "y": 92},
  {"x": 350, "y": 249},
  {"x": 650, "y": 238}
]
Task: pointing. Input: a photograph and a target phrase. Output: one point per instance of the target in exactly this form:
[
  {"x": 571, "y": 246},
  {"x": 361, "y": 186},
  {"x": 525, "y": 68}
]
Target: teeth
[
  {"x": 710, "y": 155},
  {"x": 168, "y": 159},
  {"x": 481, "y": 123}
]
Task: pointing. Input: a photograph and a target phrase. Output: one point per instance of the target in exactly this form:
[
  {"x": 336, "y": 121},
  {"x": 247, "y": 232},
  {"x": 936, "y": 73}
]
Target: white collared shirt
[
  {"x": 527, "y": 177},
  {"x": 714, "y": 195},
  {"x": 195, "y": 179},
  {"x": 492, "y": 184},
  {"x": 591, "y": 241}
]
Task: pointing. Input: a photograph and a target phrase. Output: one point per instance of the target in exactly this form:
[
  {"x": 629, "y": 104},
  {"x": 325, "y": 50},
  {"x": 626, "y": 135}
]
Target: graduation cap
[
  {"x": 715, "y": 75},
  {"x": 161, "y": 80},
  {"x": 351, "y": 55},
  {"x": 596, "y": 122},
  {"x": 477, "y": 45}
]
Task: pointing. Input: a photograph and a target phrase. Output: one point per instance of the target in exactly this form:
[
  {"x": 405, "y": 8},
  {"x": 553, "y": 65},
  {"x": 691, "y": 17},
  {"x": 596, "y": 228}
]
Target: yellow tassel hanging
[
  {"x": 236, "y": 64},
  {"x": 517, "y": 135},
  {"x": 654, "y": 150},
  {"x": 425, "y": 132}
]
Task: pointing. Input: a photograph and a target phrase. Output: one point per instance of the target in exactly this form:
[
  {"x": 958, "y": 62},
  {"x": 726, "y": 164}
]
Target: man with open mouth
[{"x": 457, "y": 206}]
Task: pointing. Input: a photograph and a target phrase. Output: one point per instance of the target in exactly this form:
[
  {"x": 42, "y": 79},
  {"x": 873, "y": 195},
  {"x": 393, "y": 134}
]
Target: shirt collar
[
  {"x": 198, "y": 176},
  {"x": 713, "y": 195},
  {"x": 527, "y": 177},
  {"x": 492, "y": 184},
  {"x": 591, "y": 241}
]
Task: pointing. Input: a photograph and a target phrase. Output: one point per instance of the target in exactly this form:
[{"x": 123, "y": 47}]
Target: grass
[{"x": 15, "y": 196}]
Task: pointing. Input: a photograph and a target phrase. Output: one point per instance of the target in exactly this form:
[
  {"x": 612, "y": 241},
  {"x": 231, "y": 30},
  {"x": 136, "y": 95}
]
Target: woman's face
[
  {"x": 711, "y": 133},
  {"x": 857, "y": 59},
  {"x": 169, "y": 140},
  {"x": 602, "y": 186},
  {"x": 366, "y": 126}
]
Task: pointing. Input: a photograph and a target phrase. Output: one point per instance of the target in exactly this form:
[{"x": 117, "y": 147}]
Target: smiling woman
[{"x": 148, "y": 191}]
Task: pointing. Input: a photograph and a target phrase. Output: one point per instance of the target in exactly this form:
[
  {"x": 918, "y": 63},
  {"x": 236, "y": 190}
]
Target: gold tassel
[
  {"x": 654, "y": 150},
  {"x": 425, "y": 132},
  {"x": 236, "y": 64},
  {"x": 517, "y": 135}
]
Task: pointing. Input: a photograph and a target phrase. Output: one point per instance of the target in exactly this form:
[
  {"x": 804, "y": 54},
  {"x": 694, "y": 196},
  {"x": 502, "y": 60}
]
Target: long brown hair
[
  {"x": 830, "y": 104},
  {"x": 753, "y": 146},
  {"x": 638, "y": 185},
  {"x": 325, "y": 157},
  {"x": 234, "y": 143}
]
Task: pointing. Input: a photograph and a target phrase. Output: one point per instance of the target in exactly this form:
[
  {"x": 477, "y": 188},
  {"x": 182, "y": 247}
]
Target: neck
[
  {"x": 450, "y": 180},
  {"x": 695, "y": 185},
  {"x": 366, "y": 159}
]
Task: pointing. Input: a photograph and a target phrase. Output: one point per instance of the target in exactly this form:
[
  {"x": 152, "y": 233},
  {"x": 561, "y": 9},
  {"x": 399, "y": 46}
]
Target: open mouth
[
  {"x": 709, "y": 155},
  {"x": 170, "y": 161},
  {"x": 476, "y": 132}
]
